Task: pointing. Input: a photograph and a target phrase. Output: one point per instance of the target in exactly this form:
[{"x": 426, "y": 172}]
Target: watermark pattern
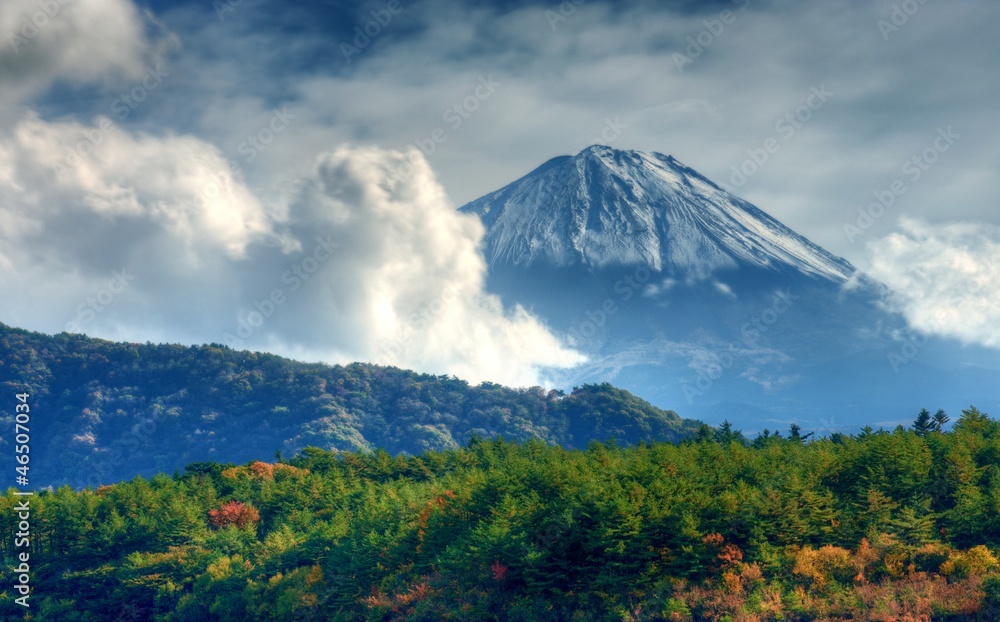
[
  {"x": 370, "y": 30},
  {"x": 122, "y": 106},
  {"x": 562, "y": 13},
  {"x": 22, "y": 511},
  {"x": 913, "y": 169},
  {"x": 263, "y": 309},
  {"x": 31, "y": 26},
  {"x": 455, "y": 117},
  {"x": 265, "y": 135},
  {"x": 785, "y": 127},
  {"x": 88, "y": 310},
  {"x": 390, "y": 349},
  {"x": 128, "y": 447},
  {"x": 223, "y": 7},
  {"x": 916, "y": 340},
  {"x": 901, "y": 14},
  {"x": 595, "y": 319},
  {"x": 750, "y": 334},
  {"x": 707, "y": 37}
]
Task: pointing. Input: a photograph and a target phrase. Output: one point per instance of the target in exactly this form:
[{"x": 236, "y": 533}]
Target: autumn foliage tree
[{"x": 234, "y": 513}]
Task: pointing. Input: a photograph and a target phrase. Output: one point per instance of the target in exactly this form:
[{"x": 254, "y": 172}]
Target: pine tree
[
  {"x": 923, "y": 424},
  {"x": 940, "y": 419},
  {"x": 794, "y": 433}
]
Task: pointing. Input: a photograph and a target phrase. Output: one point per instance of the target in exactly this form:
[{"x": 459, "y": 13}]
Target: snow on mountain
[{"x": 608, "y": 208}]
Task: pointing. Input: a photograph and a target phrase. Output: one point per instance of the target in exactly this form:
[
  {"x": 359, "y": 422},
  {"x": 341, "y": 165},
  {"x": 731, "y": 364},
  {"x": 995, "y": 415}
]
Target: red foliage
[
  {"x": 498, "y": 569},
  {"x": 234, "y": 513}
]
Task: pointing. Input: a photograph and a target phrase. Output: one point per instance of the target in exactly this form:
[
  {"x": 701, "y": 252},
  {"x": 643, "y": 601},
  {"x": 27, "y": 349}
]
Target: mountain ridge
[{"x": 116, "y": 410}]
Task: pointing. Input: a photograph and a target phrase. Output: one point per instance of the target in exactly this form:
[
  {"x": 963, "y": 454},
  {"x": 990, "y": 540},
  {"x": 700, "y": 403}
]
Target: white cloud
[
  {"x": 406, "y": 283},
  {"x": 81, "y": 41},
  {"x": 368, "y": 265},
  {"x": 946, "y": 278}
]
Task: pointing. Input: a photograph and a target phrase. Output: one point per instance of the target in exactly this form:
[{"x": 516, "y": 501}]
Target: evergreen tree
[
  {"x": 923, "y": 424},
  {"x": 940, "y": 419},
  {"x": 795, "y": 433}
]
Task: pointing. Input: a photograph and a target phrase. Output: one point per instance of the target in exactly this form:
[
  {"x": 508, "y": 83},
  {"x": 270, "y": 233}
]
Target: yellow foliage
[
  {"x": 263, "y": 471},
  {"x": 977, "y": 561},
  {"x": 829, "y": 563}
]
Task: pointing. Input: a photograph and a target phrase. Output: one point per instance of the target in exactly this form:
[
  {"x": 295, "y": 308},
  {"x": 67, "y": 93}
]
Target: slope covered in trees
[
  {"x": 900, "y": 525},
  {"x": 107, "y": 411}
]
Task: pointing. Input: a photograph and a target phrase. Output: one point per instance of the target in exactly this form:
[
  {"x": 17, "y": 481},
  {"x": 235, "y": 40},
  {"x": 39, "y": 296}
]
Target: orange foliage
[
  {"x": 263, "y": 471},
  {"x": 234, "y": 513}
]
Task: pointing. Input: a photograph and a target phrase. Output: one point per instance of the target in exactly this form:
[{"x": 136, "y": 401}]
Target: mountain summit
[
  {"x": 606, "y": 208},
  {"x": 686, "y": 294}
]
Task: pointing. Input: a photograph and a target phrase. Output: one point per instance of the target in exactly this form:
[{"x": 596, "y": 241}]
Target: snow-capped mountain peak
[{"x": 606, "y": 207}]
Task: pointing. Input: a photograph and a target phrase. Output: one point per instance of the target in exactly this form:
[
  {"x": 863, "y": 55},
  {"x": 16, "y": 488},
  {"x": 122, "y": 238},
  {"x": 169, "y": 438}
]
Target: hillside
[
  {"x": 881, "y": 526},
  {"x": 107, "y": 411}
]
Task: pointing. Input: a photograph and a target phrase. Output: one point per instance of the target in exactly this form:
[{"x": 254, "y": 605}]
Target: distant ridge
[{"x": 109, "y": 411}]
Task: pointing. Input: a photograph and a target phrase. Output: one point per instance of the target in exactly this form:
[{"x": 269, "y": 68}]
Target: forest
[
  {"x": 890, "y": 525},
  {"x": 115, "y": 410}
]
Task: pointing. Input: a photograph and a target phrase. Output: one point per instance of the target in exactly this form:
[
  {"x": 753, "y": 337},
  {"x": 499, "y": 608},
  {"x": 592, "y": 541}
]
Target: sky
[{"x": 284, "y": 176}]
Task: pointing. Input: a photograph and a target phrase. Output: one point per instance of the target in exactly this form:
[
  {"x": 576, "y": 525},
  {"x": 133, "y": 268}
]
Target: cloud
[
  {"x": 608, "y": 61},
  {"x": 79, "y": 203},
  {"x": 79, "y": 41},
  {"x": 946, "y": 278},
  {"x": 406, "y": 281},
  {"x": 146, "y": 237}
]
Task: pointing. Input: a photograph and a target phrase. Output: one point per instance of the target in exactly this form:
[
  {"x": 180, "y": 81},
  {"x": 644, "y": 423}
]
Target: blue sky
[{"x": 273, "y": 99}]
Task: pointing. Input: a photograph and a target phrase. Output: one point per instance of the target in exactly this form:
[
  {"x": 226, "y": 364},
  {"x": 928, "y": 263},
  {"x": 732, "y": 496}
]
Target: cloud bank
[
  {"x": 134, "y": 236},
  {"x": 945, "y": 278}
]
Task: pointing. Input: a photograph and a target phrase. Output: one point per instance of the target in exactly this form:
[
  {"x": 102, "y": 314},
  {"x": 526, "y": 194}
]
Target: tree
[
  {"x": 975, "y": 422},
  {"x": 234, "y": 513},
  {"x": 923, "y": 424},
  {"x": 940, "y": 419}
]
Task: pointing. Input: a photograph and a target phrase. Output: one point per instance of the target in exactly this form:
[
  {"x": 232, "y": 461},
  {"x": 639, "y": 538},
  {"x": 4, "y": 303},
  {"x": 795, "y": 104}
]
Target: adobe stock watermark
[
  {"x": 611, "y": 131},
  {"x": 224, "y": 7},
  {"x": 706, "y": 38},
  {"x": 786, "y": 126},
  {"x": 87, "y": 311},
  {"x": 249, "y": 148},
  {"x": 370, "y": 30},
  {"x": 265, "y": 135},
  {"x": 595, "y": 319},
  {"x": 389, "y": 349},
  {"x": 295, "y": 277},
  {"x": 30, "y": 26},
  {"x": 122, "y": 106},
  {"x": 125, "y": 103},
  {"x": 750, "y": 333},
  {"x": 900, "y": 15},
  {"x": 562, "y": 13},
  {"x": 916, "y": 340},
  {"x": 454, "y": 117},
  {"x": 913, "y": 169},
  {"x": 127, "y": 447},
  {"x": 219, "y": 181}
]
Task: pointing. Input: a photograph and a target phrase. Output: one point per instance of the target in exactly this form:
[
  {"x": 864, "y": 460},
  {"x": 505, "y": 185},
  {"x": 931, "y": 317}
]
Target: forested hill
[
  {"x": 898, "y": 526},
  {"x": 103, "y": 411}
]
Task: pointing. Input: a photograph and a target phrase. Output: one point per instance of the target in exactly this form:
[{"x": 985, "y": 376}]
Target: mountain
[
  {"x": 688, "y": 295},
  {"x": 103, "y": 412},
  {"x": 608, "y": 208}
]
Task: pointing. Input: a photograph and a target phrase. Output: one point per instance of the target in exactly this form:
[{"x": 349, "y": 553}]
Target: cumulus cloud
[
  {"x": 80, "y": 41},
  {"x": 81, "y": 203},
  {"x": 147, "y": 237},
  {"x": 945, "y": 278},
  {"x": 405, "y": 282}
]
